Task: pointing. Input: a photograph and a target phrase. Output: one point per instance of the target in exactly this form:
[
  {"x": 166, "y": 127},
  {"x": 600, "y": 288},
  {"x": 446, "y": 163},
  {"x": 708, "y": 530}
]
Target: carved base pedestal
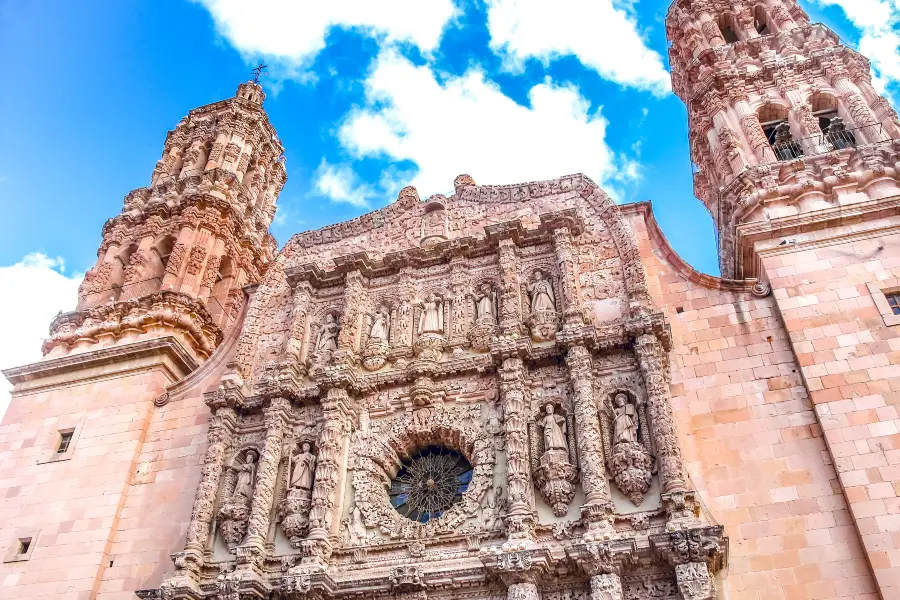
[
  {"x": 233, "y": 517},
  {"x": 543, "y": 325},
  {"x": 556, "y": 478},
  {"x": 375, "y": 355},
  {"x": 482, "y": 334},
  {"x": 631, "y": 467},
  {"x": 607, "y": 586},
  {"x": 694, "y": 581},
  {"x": 294, "y": 513},
  {"x": 430, "y": 346}
]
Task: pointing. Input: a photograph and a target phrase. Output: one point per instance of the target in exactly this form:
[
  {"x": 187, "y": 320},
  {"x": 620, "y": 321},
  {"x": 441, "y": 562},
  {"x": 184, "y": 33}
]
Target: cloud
[
  {"x": 34, "y": 290},
  {"x": 602, "y": 34},
  {"x": 878, "y": 22},
  {"x": 340, "y": 184},
  {"x": 295, "y": 32},
  {"x": 467, "y": 124}
]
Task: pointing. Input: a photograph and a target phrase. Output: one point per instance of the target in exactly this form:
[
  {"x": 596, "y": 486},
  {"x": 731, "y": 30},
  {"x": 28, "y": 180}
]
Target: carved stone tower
[
  {"x": 786, "y": 129},
  {"x": 175, "y": 261}
]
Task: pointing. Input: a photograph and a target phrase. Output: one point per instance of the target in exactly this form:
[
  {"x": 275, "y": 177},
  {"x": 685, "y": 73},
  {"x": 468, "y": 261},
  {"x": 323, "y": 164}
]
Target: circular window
[{"x": 429, "y": 483}]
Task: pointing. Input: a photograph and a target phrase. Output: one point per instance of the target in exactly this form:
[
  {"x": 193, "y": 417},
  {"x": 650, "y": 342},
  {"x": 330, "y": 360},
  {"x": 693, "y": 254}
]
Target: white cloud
[
  {"x": 34, "y": 290},
  {"x": 467, "y": 124},
  {"x": 602, "y": 34},
  {"x": 340, "y": 184},
  {"x": 295, "y": 32},
  {"x": 878, "y": 22}
]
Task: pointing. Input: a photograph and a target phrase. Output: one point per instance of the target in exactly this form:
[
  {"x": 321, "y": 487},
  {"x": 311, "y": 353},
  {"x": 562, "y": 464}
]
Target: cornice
[{"x": 178, "y": 362}]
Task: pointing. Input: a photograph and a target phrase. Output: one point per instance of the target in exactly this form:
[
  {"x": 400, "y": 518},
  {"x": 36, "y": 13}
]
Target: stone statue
[
  {"x": 554, "y": 438},
  {"x": 485, "y": 304},
  {"x": 243, "y": 489},
  {"x": 541, "y": 292},
  {"x": 304, "y": 468},
  {"x": 490, "y": 508},
  {"x": 432, "y": 318},
  {"x": 379, "y": 331},
  {"x": 328, "y": 334},
  {"x": 625, "y": 428},
  {"x": 357, "y": 527}
]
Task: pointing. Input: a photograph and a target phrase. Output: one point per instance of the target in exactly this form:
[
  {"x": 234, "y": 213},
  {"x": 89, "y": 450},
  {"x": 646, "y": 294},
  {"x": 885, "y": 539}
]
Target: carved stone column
[
  {"x": 459, "y": 313},
  {"x": 525, "y": 590},
  {"x": 519, "y": 570},
  {"x": 695, "y": 554},
  {"x": 275, "y": 416},
  {"x": 604, "y": 562},
  {"x": 354, "y": 298},
  {"x": 510, "y": 295},
  {"x": 401, "y": 328},
  {"x": 520, "y": 517},
  {"x": 336, "y": 416},
  {"x": 694, "y": 581},
  {"x": 568, "y": 276},
  {"x": 652, "y": 356},
  {"x": 597, "y": 508}
]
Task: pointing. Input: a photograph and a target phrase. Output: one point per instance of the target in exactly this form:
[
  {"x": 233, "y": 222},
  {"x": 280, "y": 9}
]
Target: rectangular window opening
[
  {"x": 894, "y": 302},
  {"x": 65, "y": 438},
  {"x": 24, "y": 545}
]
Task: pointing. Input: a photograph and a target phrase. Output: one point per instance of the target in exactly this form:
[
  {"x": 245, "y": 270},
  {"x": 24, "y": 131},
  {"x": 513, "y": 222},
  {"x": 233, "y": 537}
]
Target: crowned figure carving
[
  {"x": 485, "y": 328},
  {"x": 543, "y": 320},
  {"x": 553, "y": 461},
  {"x": 376, "y": 346},
  {"x": 239, "y": 484},
  {"x": 294, "y": 509},
  {"x": 627, "y": 445},
  {"x": 431, "y": 339}
]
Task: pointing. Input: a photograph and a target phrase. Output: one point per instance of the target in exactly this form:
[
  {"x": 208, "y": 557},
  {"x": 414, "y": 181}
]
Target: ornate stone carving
[
  {"x": 694, "y": 581},
  {"x": 431, "y": 340},
  {"x": 627, "y": 445},
  {"x": 554, "y": 472},
  {"x": 485, "y": 328},
  {"x": 376, "y": 346},
  {"x": 543, "y": 320},
  {"x": 235, "y": 510},
  {"x": 327, "y": 339},
  {"x": 294, "y": 509}
]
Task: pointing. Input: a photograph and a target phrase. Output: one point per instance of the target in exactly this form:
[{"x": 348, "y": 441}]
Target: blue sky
[{"x": 366, "y": 96}]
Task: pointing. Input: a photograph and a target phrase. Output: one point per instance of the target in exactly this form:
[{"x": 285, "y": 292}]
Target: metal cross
[{"x": 258, "y": 70}]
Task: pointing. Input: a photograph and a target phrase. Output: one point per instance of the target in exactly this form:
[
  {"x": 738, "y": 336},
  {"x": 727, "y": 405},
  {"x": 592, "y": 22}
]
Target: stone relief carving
[
  {"x": 376, "y": 346},
  {"x": 553, "y": 464},
  {"x": 543, "y": 319},
  {"x": 294, "y": 509},
  {"x": 485, "y": 328},
  {"x": 235, "y": 510},
  {"x": 327, "y": 339},
  {"x": 431, "y": 339},
  {"x": 627, "y": 444}
]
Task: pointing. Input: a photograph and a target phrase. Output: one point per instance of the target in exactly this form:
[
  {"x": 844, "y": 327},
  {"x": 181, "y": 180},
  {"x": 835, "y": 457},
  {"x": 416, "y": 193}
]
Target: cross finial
[{"x": 258, "y": 71}]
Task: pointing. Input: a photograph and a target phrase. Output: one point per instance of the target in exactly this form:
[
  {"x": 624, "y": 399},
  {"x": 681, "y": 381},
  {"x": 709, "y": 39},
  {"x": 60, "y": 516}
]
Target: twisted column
[
  {"x": 651, "y": 357},
  {"x": 331, "y": 447},
  {"x": 510, "y": 295},
  {"x": 299, "y": 318},
  {"x": 275, "y": 416},
  {"x": 565, "y": 259},
  {"x": 518, "y": 474},
  {"x": 597, "y": 506}
]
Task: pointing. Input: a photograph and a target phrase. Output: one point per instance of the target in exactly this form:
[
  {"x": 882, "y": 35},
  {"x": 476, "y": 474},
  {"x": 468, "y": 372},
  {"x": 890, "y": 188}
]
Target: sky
[{"x": 367, "y": 96}]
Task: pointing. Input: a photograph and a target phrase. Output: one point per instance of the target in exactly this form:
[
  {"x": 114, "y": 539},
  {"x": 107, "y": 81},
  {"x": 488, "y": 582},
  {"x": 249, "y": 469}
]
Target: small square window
[
  {"x": 65, "y": 438},
  {"x": 894, "y": 302},
  {"x": 24, "y": 545}
]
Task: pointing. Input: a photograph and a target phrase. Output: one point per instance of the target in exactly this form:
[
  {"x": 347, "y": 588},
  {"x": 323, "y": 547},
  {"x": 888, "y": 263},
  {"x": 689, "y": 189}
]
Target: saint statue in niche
[
  {"x": 625, "y": 428},
  {"x": 541, "y": 291},
  {"x": 379, "y": 331},
  {"x": 304, "y": 468},
  {"x": 328, "y": 334},
  {"x": 243, "y": 489},
  {"x": 432, "y": 318},
  {"x": 554, "y": 438},
  {"x": 485, "y": 304}
]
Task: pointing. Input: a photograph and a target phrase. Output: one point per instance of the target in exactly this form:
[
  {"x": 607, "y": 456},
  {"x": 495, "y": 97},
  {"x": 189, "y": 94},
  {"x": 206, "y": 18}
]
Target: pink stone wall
[
  {"x": 77, "y": 504},
  {"x": 850, "y": 360},
  {"x": 752, "y": 444}
]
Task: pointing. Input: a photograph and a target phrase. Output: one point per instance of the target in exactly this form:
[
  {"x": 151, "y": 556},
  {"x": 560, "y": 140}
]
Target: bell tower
[
  {"x": 786, "y": 129},
  {"x": 175, "y": 260}
]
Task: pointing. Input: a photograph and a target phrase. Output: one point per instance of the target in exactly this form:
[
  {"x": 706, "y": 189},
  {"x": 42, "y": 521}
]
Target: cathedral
[{"x": 514, "y": 392}]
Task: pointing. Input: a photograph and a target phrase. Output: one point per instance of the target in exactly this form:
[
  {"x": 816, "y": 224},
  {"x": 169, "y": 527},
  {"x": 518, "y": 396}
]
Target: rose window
[{"x": 429, "y": 483}]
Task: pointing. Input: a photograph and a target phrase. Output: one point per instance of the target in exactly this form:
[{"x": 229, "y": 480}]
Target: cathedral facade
[{"x": 510, "y": 392}]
